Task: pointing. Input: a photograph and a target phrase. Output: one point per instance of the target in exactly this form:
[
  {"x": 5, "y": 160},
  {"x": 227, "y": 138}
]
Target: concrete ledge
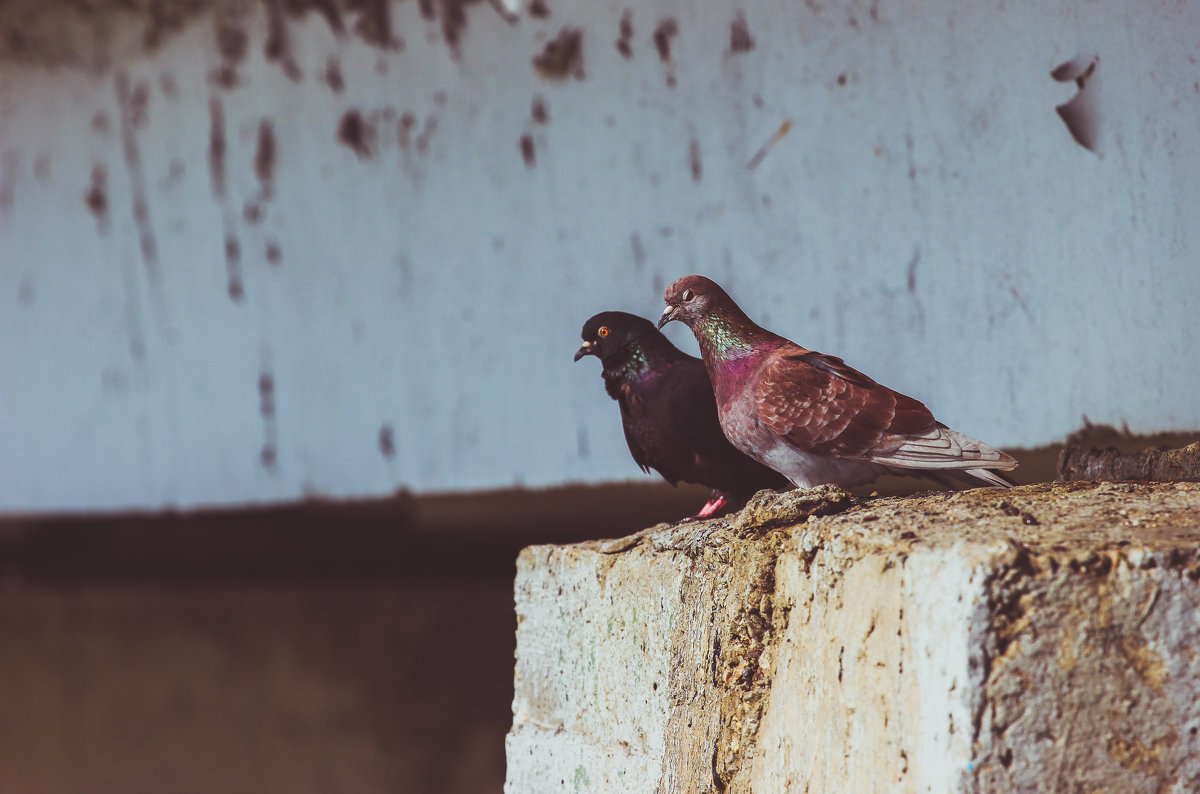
[{"x": 1041, "y": 639}]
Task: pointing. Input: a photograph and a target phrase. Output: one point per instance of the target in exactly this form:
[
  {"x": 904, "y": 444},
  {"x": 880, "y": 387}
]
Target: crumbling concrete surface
[
  {"x": 1157, "y": 465},
  {"x": 1035, "y": 640}
]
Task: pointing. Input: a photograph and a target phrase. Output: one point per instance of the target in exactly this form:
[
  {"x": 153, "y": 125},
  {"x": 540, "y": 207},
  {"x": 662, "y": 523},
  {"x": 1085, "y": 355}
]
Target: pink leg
[{"x": 715, "y": 502}]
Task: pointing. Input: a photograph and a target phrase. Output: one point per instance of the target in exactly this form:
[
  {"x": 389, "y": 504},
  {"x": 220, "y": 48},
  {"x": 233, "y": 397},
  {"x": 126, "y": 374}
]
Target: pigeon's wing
[
  {"x": 631, "y": 406},
  {"x": 943, "y": 448},
  {"x": 820, "y": 405}
]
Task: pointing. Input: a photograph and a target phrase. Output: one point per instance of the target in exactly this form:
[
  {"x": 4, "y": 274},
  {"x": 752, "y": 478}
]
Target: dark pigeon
[
  {"x": 669, "y": 413},
  {"x": 808, "y": 415}
]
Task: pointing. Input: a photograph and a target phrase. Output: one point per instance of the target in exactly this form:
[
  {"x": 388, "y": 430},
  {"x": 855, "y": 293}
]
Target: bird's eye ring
[
  {"x": 687, "y": 295},
  {"x": 603, "y": 332}
]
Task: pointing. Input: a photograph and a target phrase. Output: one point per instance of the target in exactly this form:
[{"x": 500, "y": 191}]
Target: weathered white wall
[{"x": 256, "y": 332}]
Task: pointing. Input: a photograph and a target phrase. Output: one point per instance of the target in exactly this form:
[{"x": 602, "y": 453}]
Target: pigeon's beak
[
  {"x": 667, "y": 316},
  {"x": 584, "y": 350}
]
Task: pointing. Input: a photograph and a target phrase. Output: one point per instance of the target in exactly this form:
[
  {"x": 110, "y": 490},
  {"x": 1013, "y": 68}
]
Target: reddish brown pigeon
[
  {"x": 809, "y": 416},
  {"x": 668, "y": 411}
]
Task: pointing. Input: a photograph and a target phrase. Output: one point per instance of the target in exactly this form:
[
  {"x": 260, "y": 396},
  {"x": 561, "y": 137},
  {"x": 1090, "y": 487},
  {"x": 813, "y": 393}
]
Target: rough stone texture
[
  {"x": 1041, "y": 639},
  {"x": 1158, "y": 465}
]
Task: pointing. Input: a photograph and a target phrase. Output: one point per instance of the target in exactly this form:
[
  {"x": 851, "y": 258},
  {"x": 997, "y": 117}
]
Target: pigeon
[
  {"x": 811, "y": 417},
  {"x": 669, "y": 412}
]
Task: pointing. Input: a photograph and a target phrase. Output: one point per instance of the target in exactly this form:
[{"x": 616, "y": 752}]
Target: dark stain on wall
[
  {"x": 407, "y": 122},
  {"x": 216, "y": 146},
  {"x": 562, "y": 56},
  {"x": 164, "y": 18},
  {"x": 264, "y": 157},
  {"x": 625, "y": 31},
  {"x": 667, "y": 30},
  {"x": 740, "y": 38},
  {"x": 374, "y": 23},
  {"x": 1022, "y": 304},
  {"x": 166, "y": 84},
  {"x": 8, "y": 178},
  {"x": 453, "y": 15},
  {"x": 26, "y": 292},
  {"x": 268, "y": 456},
  {"x": 387, "y": 441},
  {"x": 277, "y": 46},
  {"x": 694, "y": 159},
  {"x": 266, "y": 409},
  {"x": 527, "y": 150},
  {"x": 538, "y": 9},
  {"x": 96, "y": 197},
  {"x": 454, "y": 22},
  {"x": 233, "y": 267},
  {"x": 911, "y": 284},
  {"x": 327, "y": 9},
  {"x": 224, "y": 76},
  {"x": 639, "y": 253},
  {"x": 252, "y": 212},
  {"x": 581, "y": 440},
  {"x": 537, "y": 111},
  {"x": 266, "y": 395},
  {"x": 357, "y": 133},
  {"x": 333, "y": 75},
  {"x": 232, "y": 44},
  {"x": 663, "y": 34},
  {"x": 426, "y": 134},
  {"x": 175, "y": 172},
  {"x": 79, "y": 34},
  {"x": 273, "y": 253},
  {"x": 133, "y": 103},
  {"x": 138, "y": 106},
  {"x": 114, "y": 381}
]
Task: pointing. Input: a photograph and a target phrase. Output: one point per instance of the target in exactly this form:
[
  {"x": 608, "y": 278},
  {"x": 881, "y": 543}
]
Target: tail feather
[
  {"x": 958, "y": 478},
  {"x": 992, "y": 477}
]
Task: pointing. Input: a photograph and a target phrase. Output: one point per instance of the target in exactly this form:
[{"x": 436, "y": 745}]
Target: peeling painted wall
[{"x": 251, "y": 251}]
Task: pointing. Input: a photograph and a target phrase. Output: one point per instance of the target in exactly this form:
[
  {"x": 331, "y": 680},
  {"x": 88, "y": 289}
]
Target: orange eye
[{"x": 603, "y": 332}]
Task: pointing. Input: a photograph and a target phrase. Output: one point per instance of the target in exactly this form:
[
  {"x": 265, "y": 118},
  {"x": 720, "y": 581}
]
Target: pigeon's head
[
  {"x": 610, "y": 332},
  {"x": 690, "y": 298}
]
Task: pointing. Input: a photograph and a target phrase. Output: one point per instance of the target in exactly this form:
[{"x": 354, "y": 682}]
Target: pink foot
[{"x": 714, "y": 503}]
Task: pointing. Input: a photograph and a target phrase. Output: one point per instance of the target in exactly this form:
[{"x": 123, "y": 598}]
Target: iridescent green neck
[
  {"x": 722, "y": 338},
  {"x": 636, "y": 363},
  {"x": 633, "y": 364}
]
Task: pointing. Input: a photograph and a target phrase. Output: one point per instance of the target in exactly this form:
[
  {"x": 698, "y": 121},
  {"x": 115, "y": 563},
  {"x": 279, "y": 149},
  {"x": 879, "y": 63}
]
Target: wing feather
[
  {"x": 631, "y": 407},
  {"x": 820, "y": 405}
]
